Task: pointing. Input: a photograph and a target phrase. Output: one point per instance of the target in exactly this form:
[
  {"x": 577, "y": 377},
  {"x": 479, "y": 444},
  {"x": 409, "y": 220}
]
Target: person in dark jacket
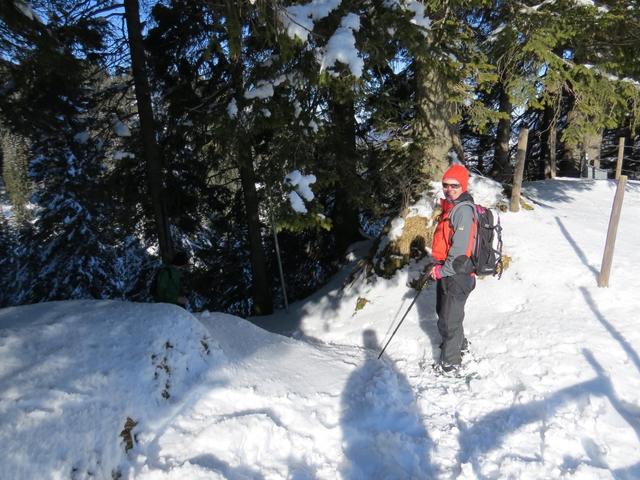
[
  {"x": 169, "y": 285},
  {"x": 452, "y": 248}
]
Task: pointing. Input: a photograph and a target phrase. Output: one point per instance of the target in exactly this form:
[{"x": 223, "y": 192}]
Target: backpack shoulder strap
[
  {"x": 475, "y": 240},
  {"x": 468, "y": 203}
]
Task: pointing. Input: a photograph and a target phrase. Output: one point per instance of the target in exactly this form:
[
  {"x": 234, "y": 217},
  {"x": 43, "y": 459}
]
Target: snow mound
[
  {"x": 486, "y": 191},
  {"x": 72, "y": 372}
]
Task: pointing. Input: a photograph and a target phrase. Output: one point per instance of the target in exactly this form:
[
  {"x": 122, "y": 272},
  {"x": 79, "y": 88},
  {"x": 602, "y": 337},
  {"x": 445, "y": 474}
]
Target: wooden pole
[
  {"x": 607, "y": 257},
  {"x": 277, "y": 245},
  {"x": 275, "y": 241},
  {"x": 552, "y": 152},
  {"x": 519, "y": 172},
  {"x": 620, "y": 157}
]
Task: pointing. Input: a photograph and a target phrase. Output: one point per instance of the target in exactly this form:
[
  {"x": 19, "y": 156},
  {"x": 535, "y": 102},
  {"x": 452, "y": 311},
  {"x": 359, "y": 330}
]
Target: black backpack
[
  {"x": 487, "y": 258},
  {"x": 487, "y": 250},
  {"x": 153, "y": 289}
]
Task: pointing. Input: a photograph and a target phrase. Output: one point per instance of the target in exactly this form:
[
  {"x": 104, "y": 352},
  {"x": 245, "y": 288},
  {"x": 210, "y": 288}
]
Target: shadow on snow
[
  {"x": 487, "y": 433},
  {"x": 383, "y": 433}
]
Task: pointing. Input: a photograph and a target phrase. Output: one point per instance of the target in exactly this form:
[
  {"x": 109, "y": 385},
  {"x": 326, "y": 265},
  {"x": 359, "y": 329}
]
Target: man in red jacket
[{"x": 453, "y": 243}]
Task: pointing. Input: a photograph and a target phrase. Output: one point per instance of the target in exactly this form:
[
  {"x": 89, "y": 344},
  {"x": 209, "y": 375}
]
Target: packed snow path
[{"x": 556, "y": 395}]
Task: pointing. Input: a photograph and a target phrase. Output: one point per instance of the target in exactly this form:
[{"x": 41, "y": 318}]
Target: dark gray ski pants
[{"x": 451, "y": 296}]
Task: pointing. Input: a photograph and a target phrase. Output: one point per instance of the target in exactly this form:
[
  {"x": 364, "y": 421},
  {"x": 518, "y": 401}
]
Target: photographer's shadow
[{"x": 382, "y": 428}]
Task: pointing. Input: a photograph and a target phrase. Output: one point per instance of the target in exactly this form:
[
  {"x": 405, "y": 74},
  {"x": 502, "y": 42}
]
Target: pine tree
[
  {"x": 14, "y": 173},
  {"x": 67, "y": 251},
  {"x": 152, "y": 154},
  {"x": 216, "y": 75},
  {"x": 71, "y": 244},
  {"x": 579, "y": 82}
]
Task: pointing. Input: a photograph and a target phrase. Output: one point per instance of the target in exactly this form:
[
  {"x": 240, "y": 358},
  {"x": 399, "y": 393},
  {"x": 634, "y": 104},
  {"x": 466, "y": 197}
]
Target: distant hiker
[
  {"x": 168, "y": 284},
  {"x": 453, "y": 244}
]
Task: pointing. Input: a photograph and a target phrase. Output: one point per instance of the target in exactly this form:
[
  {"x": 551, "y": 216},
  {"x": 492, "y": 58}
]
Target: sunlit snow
[{"x": 553, "y": 391}]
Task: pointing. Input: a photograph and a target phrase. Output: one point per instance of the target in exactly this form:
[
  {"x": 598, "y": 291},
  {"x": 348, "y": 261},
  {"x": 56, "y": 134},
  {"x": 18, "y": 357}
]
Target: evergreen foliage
[
  {"x": 14, "y": 173},
  {"x": 371, "y": 98}
]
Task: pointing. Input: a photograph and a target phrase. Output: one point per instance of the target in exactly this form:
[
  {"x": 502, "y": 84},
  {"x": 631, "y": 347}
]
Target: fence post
[
  {"x": 607, "y": 257},
  {"x": 620, "y": 157},
  {"x": 519, "y": 172}
]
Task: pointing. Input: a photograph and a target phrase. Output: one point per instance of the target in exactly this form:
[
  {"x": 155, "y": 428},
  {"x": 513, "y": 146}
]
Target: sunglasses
[{"x": 455, "y": 186}]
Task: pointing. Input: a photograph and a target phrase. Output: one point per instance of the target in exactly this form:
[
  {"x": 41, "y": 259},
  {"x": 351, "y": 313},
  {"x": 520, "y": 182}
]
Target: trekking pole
[{"x": 404, "y": 316}]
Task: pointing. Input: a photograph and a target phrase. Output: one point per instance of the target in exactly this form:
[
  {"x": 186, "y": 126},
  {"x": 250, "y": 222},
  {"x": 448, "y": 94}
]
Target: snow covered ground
[{"x": 556, "y": 395}]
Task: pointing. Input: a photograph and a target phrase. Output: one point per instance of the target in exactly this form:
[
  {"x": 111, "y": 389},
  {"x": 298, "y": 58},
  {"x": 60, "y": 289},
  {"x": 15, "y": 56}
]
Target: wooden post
[
  {"x": 552, "y": 152},
  {"x": 620, "y": 157},
  {"x": 519, "y": 172},
  {"x": 607, "y": 257}
]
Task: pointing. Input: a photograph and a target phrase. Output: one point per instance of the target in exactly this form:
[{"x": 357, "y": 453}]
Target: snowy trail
[
  {"x": 557, "y": 356},
  {"x": 556, "y": 395},
  {"x": 364, "y": 406}
]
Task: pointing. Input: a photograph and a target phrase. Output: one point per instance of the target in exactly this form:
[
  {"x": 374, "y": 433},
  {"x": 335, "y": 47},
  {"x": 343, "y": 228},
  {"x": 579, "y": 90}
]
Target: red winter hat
[{"x": 459, "y": 173}]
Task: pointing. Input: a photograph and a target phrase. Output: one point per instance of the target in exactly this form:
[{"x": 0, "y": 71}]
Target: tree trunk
[
  {"x": 592, "y": 146},
  {"x": 346, "y": 224},
  {"x": 571, "y": 157},
  {"x": 260, "y": 279},
  {"x": 435, "y": 136},
  {"x": 553, "y": 167},
  {"x": 484, "y": 146},
  {"x": 147, "y": 127},
  {"x": 260, "y": 282},
  {"x": 548, "y": 140},
  {"x": 502, "y": 169},
  {"x": 582, "y": 148}
]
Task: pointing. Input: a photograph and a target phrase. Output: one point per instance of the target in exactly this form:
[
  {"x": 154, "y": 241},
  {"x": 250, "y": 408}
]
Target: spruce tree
[
  {"x": 14, "y": 150},
  {"x": 68, "y": 250}
]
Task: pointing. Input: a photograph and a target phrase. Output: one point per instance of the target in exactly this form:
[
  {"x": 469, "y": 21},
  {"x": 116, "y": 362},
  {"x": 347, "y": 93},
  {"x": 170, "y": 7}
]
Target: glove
[
  {"x": 436, "y": 273},
  {"x": 420, "y": 282}
]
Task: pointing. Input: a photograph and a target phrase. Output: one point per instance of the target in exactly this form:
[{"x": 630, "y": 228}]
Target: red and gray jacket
[{"x": 454, "y": 237}]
